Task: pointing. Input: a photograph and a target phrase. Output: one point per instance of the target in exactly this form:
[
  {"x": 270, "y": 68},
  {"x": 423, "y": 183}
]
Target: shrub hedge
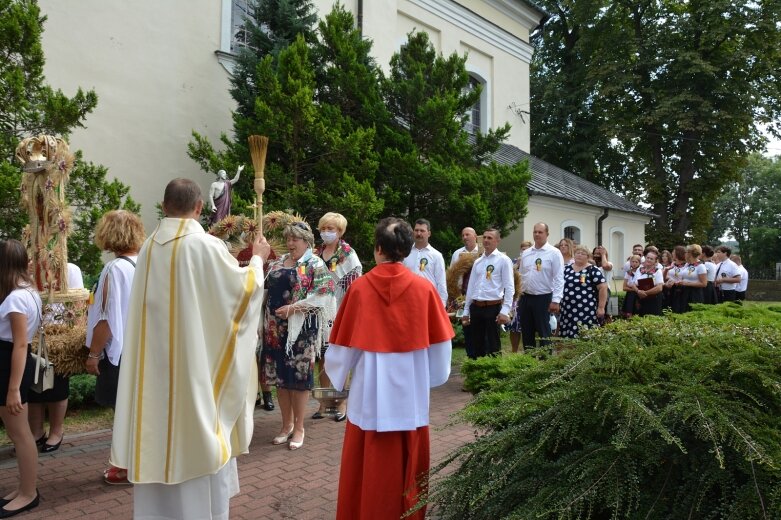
[{"x": 655, "y": 418}]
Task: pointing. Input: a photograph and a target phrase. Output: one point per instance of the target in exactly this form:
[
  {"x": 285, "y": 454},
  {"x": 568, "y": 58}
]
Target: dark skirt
[
  {"x": 6, "y": 349},
  {"x": 651, "y": 305},
  {"x": 59, "y": 392},
  {"x": 709, "y": 294},
  {"x": 630, "y": 303}
]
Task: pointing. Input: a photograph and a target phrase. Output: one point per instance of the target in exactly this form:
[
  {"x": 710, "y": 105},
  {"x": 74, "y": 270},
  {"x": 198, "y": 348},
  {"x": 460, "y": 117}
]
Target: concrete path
[{"x": 275, "y": 483}]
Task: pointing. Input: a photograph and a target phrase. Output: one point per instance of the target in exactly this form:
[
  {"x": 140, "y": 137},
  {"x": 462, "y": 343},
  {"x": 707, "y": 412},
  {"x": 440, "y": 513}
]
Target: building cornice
[
  {"x": 521, "y": 12},
  {"x": 478, "y": 27}
]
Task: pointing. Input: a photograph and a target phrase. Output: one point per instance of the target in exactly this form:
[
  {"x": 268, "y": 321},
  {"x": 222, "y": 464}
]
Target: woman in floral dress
[
  {"x": 585, "y": 295},
  {"x": 344, "y": 267},
  {"x": 300, "y": 304}
]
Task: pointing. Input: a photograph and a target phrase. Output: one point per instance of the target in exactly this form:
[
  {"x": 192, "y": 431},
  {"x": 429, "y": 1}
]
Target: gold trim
[
  {"x": 172, "y": 350},
  {"x": 139, "y": 402},
  {"x": 227, "y": 357}
]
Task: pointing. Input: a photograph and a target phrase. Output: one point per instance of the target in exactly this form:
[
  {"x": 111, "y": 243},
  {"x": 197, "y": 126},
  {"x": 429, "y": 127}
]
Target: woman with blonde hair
[
  {"x": 20, "y": 317},
  {"x": 119, "y": 232},
  {"x": 567, "y": 248},
  {"x": 344, "y": 267},
  {"x": 301, "y": 303}
]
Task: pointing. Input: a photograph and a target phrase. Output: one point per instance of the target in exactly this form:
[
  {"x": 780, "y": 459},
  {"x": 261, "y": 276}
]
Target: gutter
[{"x": 599, "y": 226}]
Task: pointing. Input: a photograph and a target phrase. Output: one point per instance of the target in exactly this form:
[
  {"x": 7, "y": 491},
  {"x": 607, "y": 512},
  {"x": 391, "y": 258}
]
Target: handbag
[{"x": 43, "y": 379}]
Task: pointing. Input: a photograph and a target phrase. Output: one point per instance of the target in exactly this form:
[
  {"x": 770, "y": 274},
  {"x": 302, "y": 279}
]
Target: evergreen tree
[
  {"x": 90, "y": 196},
  {"x": 344, "y": 138},
  {"x": 430, "y": 166},
  {"x": 31, "y": 107}
]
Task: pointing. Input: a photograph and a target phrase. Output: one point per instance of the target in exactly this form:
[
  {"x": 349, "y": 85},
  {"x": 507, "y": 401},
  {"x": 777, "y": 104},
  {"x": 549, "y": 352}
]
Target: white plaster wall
[
  {"x": 153, "y": 67},
  {"x": 387, "y": 24},
  {"x": 559, "y": 213}
]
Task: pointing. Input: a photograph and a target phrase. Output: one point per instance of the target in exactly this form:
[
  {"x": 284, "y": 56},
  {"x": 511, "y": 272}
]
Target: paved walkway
[{"x": 275, "y": 482}]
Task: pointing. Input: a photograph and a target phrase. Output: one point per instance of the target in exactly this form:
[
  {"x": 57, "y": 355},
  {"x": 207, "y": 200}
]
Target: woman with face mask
[{"x": 343, "y": 265}]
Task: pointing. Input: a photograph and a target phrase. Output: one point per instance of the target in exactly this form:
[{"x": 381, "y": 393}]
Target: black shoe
[
  {"x": 5, "y": 513},
  {"x": 48, "y": 448},
  {"x": 339, "y": 416},
  {"x": 317, "y": 415},
  {"x": 269, "y": 405},
  {"x": 40, "y": 442}
]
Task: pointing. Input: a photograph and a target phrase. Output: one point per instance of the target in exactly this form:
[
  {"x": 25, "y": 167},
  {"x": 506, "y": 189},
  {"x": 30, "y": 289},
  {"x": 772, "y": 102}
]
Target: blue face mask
[{"x": 329, "y": 237}]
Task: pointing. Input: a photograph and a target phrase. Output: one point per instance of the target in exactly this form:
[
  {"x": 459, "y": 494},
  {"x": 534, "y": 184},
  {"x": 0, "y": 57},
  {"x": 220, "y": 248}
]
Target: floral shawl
[
  {"x": 313, "y": 298},
  {"x": 343, "y": 266}
]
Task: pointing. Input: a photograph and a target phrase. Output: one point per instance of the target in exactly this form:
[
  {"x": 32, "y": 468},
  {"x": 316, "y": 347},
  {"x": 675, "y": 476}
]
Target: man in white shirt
[
  {"x": 740, "y": 290},
  {"x": 727, "y": 275},
  {"x": 542, "y": 279},
  {"x": 426, "y": 261},
  {"x": 469, "y": 238},
  {"x": 489, "y": 295}
]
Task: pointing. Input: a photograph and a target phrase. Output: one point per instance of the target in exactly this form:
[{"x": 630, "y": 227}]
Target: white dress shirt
[
  {"x": 429, "y": 263},
  {"x": 542, "y": 271},
  {"x": 727, "y": 269},
  {"x": 743, "y": 284},
  {"x": 491, "y": 279},
  {"x": 710, "y": 269},
  {"x": 460, "y": 250}
]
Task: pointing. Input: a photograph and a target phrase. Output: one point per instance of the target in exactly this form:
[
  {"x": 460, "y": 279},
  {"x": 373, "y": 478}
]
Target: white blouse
[
  {"x": 23, "y": 301},
  {"x": 117, "y": 276}
]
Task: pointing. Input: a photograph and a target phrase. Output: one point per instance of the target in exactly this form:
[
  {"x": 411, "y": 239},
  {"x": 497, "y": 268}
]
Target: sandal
[{"x": 115, "y": 476}]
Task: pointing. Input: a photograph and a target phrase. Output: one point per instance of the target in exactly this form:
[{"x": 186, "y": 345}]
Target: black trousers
[
  {"x": 485, "y": 330},
  {"x": 535, "y": 318},
  {"x": 468, "y": 341},
  {"x": 727, "y": 296}
]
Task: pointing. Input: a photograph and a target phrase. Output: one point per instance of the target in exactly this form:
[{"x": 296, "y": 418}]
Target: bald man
[{"x": 469, "y": 238}]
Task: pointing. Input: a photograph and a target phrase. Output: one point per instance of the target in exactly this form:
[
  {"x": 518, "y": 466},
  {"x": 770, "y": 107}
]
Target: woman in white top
[
  {"x": 120, "y": 232},
  {"x": 692, "y": 279},
  {"x": 20, "y": 311},
  {"x": 649, "y": 282},
  {"x": 709, "y": 293},
  {"x": 55, "y": 400}
]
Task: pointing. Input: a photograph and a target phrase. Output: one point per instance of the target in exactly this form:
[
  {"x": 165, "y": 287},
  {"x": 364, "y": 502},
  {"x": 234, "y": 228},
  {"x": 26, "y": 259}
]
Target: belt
[{"x": 486, "y": 303}]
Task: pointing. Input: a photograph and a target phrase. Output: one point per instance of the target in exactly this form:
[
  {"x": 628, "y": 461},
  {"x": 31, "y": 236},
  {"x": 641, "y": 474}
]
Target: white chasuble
[{"x": 188, "y": 378}]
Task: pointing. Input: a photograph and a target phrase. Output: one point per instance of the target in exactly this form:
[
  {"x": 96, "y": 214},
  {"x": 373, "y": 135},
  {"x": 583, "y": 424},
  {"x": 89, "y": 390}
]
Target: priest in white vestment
[{"x": 188, "y": 381}]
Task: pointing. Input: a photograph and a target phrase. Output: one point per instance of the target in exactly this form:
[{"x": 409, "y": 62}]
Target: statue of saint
[{"x": 220, "y": 195}]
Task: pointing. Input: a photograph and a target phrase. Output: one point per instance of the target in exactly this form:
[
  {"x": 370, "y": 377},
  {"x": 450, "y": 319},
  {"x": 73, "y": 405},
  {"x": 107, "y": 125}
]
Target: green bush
[
  {"x": 82, "y": 387},
  {"x": 656, "y": 418},
  {"x": 487, "y": 371}
]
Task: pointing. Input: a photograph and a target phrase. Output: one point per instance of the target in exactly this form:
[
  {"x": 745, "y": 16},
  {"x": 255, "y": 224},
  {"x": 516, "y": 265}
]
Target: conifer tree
[
  {"x": 431, "y": 167},
  {"x": 32, "y": 107}
]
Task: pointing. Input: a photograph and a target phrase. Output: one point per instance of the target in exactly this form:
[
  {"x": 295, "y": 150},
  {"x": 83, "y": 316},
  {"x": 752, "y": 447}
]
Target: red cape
[{"x": 390, "y": 309}]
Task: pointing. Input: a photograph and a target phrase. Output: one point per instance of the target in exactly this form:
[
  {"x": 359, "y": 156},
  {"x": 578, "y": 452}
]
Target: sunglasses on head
[{"x": 301, "y": 225}]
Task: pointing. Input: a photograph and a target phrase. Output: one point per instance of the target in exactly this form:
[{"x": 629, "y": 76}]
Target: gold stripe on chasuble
[
  {"x": 139, "y": 401},
  {"x": 172, "y": 350},
  {"x": 226, "y": 359}
]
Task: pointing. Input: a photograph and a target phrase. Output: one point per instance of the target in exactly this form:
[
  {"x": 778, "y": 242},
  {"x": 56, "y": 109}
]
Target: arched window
[
  {"x": 474, "y": 121},
  {"x": 573, "y": 233}
]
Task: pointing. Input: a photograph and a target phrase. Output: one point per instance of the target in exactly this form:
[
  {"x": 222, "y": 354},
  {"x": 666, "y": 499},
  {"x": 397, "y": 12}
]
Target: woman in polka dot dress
[{"x": 585, "y": 295}]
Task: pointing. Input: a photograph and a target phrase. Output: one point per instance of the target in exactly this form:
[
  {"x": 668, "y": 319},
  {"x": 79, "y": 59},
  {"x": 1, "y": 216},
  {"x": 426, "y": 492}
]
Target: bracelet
[{"x": 95, "y": 356}]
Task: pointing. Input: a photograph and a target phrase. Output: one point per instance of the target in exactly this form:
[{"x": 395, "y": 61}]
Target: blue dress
[
  {"x": 579, "y": 304},
  {"x": 294, "y": 371}
]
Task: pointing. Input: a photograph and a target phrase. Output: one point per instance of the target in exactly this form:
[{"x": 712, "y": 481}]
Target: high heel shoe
[
  {"x": 6, "y": 513},
  {"x": 293, "y": 445},
  {"x": 41, "y": 440},
  {"x": 48, "y": 448},
  {"x": 282, "y": 439}
]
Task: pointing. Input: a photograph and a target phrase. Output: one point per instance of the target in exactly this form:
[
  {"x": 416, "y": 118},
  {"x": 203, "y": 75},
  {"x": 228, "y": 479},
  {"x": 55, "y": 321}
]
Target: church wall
[{"x": 157, "y": 79}]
